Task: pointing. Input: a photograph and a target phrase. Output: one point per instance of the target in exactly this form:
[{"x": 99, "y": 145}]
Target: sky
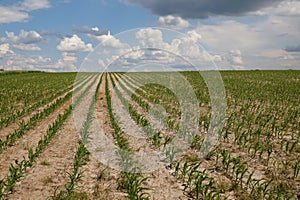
[{"x": 72, "y": 35}]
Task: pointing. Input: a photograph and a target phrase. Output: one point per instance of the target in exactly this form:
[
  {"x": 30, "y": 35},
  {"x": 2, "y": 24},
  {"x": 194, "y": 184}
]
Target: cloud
[
  {"x": 151, "y": 38},
  {"x": 22, "y": 62},
  {"x": 24, "y": 37},
  {"x": 30, "y": 5},
  {"x": 27, "y": 47},
  {"x": 293, "y": 48},
  {"x": 74, "y": 44},
  {"x": 194, "y": 35},
  {"x": 202, "y": 9},
  {"x": 287, "y": 8},
  {"x": 67, "y": 56},
  {"x": 284, "y": 8},
  {"x": 26, "y": 40},
  {"x": 152, "y": 47},
  {"x": 109, "y": 41},
  {"x": 67, "y": 62},
  {"x": 19, "y": 12},
  {"x": 9, "y": 15},
  {"x": 5, "y": 49},
  {"x": 92, "y": 31},
  {"x": 32, "y": 62},
  {"x": 172, "y": 22},
  {"x": 235, "y": 59}
]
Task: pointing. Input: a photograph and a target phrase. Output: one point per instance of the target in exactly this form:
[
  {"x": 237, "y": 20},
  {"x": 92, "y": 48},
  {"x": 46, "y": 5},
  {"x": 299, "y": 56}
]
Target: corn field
[{"x": 45, "y": 154}]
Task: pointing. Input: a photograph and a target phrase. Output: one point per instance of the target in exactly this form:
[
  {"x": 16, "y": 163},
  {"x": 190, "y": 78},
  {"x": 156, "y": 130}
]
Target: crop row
[
  {"x": 267, "y": 140},
  {"x": 23, "y": 93},
  {"x": 17, "y": 170},
  {"x": 32, "y": 122},
  {"x": 132, "y": 181}
]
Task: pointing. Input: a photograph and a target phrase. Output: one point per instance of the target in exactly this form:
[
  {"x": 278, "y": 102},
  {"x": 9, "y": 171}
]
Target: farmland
[{"x": 45, "y": 151}]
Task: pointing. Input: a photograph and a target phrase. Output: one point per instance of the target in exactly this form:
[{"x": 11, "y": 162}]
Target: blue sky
[{"x": 59, "y": 35}]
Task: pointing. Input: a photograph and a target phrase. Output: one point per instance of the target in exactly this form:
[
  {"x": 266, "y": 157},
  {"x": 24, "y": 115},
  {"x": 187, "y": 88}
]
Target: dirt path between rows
[
  {"x": 163, "y": 185},
  {"x": 99, "y": 181},
  {"x": 29, "y": 140},
  {"x": 49, "y": 175}
]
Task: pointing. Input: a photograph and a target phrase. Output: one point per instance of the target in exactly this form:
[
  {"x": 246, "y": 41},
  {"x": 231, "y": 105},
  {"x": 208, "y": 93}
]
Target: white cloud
[
  {"x": 24, "y": 37},
  {"x": 74, "y": 44},
  {"x": 30, "y": 5},
  {"x": 285, "y": 8},
  {"x": 173, "y": 22},
  {"x": 108, "y": 41},
  {"x": 290, "y": 8},
  {"x": 95, "y": 29},
  {"x": 67, "y": 62},
  {"x": 194, "y": 35},
  {"x": 27, "y": 47},
  {"x": 235, "y": 59},
  {"x": 20, "y": 12},
  {"x": 9, "y": 15},
  {"x": 22, "y": 62},
  {"x": 5, "y": 49},
  {"x": 26, "y": 40},
  {"x": 150, "y": 38},
  {"x": 152, "y": 47},
  {"x": 68, "y": 56}
]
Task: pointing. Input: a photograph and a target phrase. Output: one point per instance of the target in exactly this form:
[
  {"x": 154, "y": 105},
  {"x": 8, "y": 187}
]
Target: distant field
[{"x": 43, "y": 151}]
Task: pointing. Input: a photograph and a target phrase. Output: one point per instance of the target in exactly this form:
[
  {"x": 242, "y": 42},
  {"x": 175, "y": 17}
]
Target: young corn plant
[{"x": 131, "y": 181}]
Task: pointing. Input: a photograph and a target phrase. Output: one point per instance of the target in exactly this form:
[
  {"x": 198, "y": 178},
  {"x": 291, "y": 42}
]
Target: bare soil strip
[
  {"x": 29, "y": 140},
  {"x": 49, "y": 174},
  {"x": 100, "y": 181},
  {"x": 163, "y": 185}
]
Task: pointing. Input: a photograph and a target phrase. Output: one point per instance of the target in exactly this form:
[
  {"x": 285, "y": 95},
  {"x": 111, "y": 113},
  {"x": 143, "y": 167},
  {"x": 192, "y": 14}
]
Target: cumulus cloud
[
  {"x": 26, "y": 40},
  {"x": 9, "y": 15},
  {"x": 74, "y": 44},
  {"x": 172, "y": 22},
  {"x": 109, "y": 41},
  {"x": 67, "y": 61},
  {"x": 5, "y": 49},
  {"x": 19, "y": 12},
  {"x": 150, "y": 38},
  {"x": 24, "y": 37},
  {"x": 184, "y": 46},
  {"x": 152, "y": 47},
  {"x": 32, "y": 62},
  {"x": 204, "y": 8},
  {"x": 194, "y": 35},
  {"x": 68, "y": 56},
  {"x": 22, "y": 62},
  {"x": 235, "y": 59}
]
